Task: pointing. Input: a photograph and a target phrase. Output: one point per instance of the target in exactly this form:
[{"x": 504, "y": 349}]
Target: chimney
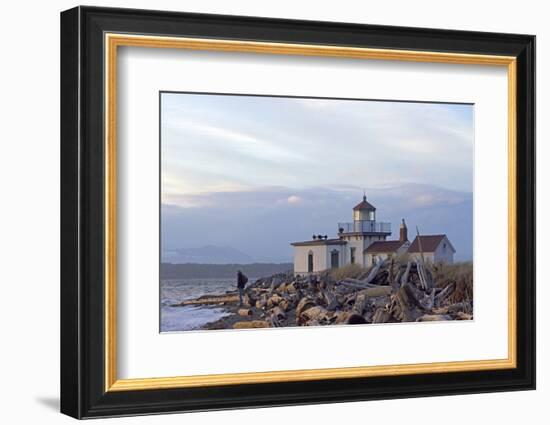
[{"x": 403, "y": 231}]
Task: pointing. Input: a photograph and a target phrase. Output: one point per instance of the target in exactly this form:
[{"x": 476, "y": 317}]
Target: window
[
  {"x": 334, "y": 260},
  {"x": 352, "y": 255},
  {"x": 310, "y": 262}
]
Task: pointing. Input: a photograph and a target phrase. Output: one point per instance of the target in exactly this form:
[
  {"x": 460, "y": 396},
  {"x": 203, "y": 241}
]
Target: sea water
[{"x": 191, "y": 317}]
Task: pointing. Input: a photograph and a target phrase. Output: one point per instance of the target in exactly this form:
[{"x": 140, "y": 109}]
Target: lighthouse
[
  {"x": 363, "y": 241},
  {"x": 362, "y": 231},
  {"x": 322, "y": 253}
]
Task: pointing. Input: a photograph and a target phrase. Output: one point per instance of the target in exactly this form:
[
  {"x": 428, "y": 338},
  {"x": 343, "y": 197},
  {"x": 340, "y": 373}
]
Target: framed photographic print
[{"x": 261, "y": 212}]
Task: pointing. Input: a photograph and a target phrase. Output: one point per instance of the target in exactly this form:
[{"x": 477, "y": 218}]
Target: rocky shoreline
[{"x": 389, "y": 292}]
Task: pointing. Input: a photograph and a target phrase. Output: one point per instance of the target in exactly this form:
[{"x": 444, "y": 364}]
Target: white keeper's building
[{"x": 364, "y": 241}]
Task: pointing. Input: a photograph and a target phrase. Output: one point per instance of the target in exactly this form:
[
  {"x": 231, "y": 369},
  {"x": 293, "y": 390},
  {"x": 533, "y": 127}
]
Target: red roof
[
  {"x": 384, "y": 246},
  {"x": 429, "y": 243},
  {"x": 364, "y": 205}
]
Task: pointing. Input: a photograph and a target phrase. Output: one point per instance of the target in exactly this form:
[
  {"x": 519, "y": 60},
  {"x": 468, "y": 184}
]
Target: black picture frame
[{"x": 83, "y": 392}]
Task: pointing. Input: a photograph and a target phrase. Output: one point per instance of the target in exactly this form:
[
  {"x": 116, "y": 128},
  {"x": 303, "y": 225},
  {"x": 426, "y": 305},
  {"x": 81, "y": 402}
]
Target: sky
[{"x": 260, "y": 168}]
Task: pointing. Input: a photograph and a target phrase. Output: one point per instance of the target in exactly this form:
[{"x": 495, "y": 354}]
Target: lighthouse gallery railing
[{"x": 365, "y": 226}]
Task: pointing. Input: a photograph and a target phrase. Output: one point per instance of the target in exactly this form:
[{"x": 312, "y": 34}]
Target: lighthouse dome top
[{"x": 364, "y": 205}]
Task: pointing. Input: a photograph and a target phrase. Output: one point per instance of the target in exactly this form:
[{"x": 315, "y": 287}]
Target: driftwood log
[
  {"x": 445, "y": 293},
  {"x": 211, "y": 300},
  {"x": 405, "y": 277},
  {"x": 381, "y": 316},
  {"x": 434, "y": 318},
  {"x": 374, "y": 271},
  {"x": 251, "y": 324}
]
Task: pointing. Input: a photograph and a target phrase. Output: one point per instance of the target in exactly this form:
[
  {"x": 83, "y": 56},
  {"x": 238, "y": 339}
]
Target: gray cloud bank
[{"x": 261, "y": 223}]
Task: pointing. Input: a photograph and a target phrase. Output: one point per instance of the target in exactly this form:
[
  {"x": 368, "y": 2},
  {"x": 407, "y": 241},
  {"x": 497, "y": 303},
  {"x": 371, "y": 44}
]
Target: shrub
[
  {"x": 353, "y": 271},
  {"x": 462, "y": 274},
  {"x": 402, "y": 258}
]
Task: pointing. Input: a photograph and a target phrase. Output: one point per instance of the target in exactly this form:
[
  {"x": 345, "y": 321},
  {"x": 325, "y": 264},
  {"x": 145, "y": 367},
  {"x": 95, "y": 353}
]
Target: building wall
[
  {"x": 360, "y": 243},
  {"x": 321, "y": 257},
  {"x": 301, "y": 258},
  {"x": 343, "y": 255},
  {"x": 442, "y": 254}
]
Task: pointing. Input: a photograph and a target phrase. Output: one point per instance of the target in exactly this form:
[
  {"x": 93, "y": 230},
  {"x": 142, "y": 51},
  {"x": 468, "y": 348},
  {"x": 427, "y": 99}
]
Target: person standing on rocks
[{"x": 241, "y": 283}]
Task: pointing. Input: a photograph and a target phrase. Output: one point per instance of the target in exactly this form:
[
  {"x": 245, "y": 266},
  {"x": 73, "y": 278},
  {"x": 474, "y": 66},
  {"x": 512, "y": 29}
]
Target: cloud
[
  {"x": 293, "y": 199},
  {"x": 242, "y": 142},
  {"x": 424, "y": 200}
]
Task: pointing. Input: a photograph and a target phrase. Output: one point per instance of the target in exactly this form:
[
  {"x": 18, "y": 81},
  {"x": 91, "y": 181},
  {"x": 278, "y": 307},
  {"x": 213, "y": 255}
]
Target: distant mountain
[
  {"x": 187, "y": 271},
  {"x": 209, "y": 254}
]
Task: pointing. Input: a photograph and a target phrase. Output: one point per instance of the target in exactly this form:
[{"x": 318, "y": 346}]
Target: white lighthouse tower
[{"x": 363, "y": 231}]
